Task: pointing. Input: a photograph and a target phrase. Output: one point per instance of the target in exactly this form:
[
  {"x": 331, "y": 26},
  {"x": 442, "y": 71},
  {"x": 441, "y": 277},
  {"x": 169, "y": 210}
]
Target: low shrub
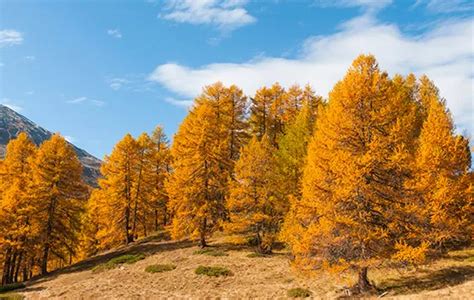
[
  {"x": 159, "y": 268},
  {"x": 210, "y": 252},
  {"x": 213, "y": 271},
  {"x": 299, "y": 293},
  {"x": 119, "y": 260}
]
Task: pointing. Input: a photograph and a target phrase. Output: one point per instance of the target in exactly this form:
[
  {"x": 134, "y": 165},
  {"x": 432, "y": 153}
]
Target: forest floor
[{"x": 269, "y": 277}]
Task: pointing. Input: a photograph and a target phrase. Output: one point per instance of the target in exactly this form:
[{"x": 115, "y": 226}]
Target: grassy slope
[{"x": 263, "y": 277}]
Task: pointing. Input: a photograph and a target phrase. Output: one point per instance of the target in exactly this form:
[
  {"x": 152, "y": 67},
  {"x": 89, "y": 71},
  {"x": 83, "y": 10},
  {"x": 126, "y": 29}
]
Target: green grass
[
  {"x": 210, "y": 252},
  {"x": 11, "y": 287},
  {"x": 119, "y": 260},
  {"x": 213, "y": 271},
  {"x": 159, "y": 268},
  {"x": 299, "y": 293},
  {"x": 11, "y": 296}
]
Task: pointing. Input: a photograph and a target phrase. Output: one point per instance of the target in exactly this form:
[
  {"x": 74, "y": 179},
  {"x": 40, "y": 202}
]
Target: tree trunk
[
  {"x": 6, "y": 267},
  {"x": 11, "y": 272},
  {"x": 44, "y": 262},
  {"x": 202, "y": 240},
  {"x": 156, "y": 220},
  {"x": 363, "y": 283},
  {"x": 17, "y": 269}
]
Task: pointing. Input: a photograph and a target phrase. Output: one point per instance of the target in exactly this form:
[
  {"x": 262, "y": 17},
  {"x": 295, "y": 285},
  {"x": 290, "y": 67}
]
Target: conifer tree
[
  {"x": 119, "y": 185},
  {"x": 441, "y": 183},
  {"x": 160, "y": 168},
  {"x": 268, "y": 113},
  {"x": 255, "y": 207},
  {"x": 18, "y": 219},
  {"x": 291, "y": 154},
  {"x": 347, "y": 217},
  {"x": 203, "y": 163},
  {"x": 60, "y": 193}
]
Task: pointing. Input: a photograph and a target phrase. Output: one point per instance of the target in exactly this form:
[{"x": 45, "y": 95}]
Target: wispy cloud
[
  {"x": 324, "y": 60},
  {"x": 86, "y": 100},
  {"x": 225, "y": 14},
  {"x": 117, "y": 83},
  {"x": 366, "y": 4},
  {"x": 30, "y": 58},
  {"x": 180, "y": 103},
  {"x": 11, "y": 104},
  {"x": 445, "y": 6},
  {"x": 9, "y": 37},
  {"x": 77, "y": 100},
  {"x": 114, "y": 33}
]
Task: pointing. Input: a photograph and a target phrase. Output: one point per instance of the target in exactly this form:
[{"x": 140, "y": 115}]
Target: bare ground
[{"x": 261, "y": 277}]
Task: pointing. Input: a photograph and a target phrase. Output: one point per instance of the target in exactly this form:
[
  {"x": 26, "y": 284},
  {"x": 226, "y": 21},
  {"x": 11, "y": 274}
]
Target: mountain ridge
[{"x": 12, "y": 124}]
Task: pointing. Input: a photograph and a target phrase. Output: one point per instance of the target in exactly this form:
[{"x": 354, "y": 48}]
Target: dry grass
[{"x": 269, "y": 278}]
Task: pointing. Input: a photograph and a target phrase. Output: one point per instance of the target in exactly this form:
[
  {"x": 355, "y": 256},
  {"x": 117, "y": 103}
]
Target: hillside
[
  {"x": 12, "y": 124},
  {"x": 252, "y": 277}
]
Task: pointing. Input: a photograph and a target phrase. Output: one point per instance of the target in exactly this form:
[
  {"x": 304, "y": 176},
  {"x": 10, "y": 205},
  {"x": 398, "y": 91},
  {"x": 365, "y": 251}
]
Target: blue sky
[{"x": 96, "y": 70}]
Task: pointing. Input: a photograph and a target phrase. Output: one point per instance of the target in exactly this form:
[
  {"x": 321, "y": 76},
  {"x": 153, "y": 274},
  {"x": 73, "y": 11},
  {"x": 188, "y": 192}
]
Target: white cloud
[
  {"x": 445, "y": 53},
  {"x": 444, "y": 6},
  {"x": 114, "y": 33},
  {"x": 77, "y": 100},
  {"x": 84, "y": 100},
  {"x": 99, "y": 103},
  {"x": 30, "y": 58},
  {"x": 226, "y": 14},
  {"x": 117, "y": 83},
  {"x": 367, "y": 4},
  {"x": 9, "y": 37},
  {"x": 180, "y": 103},
  {"x": 10, "y": 104}
]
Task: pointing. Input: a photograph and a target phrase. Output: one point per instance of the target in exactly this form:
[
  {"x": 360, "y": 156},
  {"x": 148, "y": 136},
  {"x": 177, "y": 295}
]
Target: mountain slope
[
  {"x": 12, "y": 123},
  {"x": 267, "y": 277}
]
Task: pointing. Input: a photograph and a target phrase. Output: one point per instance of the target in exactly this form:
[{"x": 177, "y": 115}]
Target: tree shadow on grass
[
  {"x": 147, "y": 246},
  {"x": 429, "y": 281}
]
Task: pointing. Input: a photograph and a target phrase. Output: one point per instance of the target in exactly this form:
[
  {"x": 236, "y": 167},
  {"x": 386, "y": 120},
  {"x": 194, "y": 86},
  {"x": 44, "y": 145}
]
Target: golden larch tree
[
  {"x": 441, "y": 184},
  {"x": 203, "y": 162},
  {"x": 119, "y": 186},
  {"x": 254, "y": 205},
  {"x": 60, "y": 192},
  {"x": 347, "y": 216},
  {"x": 18, "y": 219}
]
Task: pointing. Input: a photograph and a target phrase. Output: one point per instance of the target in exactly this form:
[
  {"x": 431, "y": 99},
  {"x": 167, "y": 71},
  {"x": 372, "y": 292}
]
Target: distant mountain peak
[{"x": 13, "y": 123}]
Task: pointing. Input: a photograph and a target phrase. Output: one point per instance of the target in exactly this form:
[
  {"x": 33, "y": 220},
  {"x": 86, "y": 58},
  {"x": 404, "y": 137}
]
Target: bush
[
  {"x": 159, "y": 268},
  {"x": 210, "y": 252},
  {"x": 213, "y": 271},
  {"x": 11, "y": 287},
  {"x": 119, "y": 260},
  {"x": 299, "y": 293}
]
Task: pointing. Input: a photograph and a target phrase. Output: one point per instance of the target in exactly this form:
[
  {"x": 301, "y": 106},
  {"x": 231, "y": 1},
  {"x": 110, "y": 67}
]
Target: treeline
[{"x": 374, "y": 173}]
